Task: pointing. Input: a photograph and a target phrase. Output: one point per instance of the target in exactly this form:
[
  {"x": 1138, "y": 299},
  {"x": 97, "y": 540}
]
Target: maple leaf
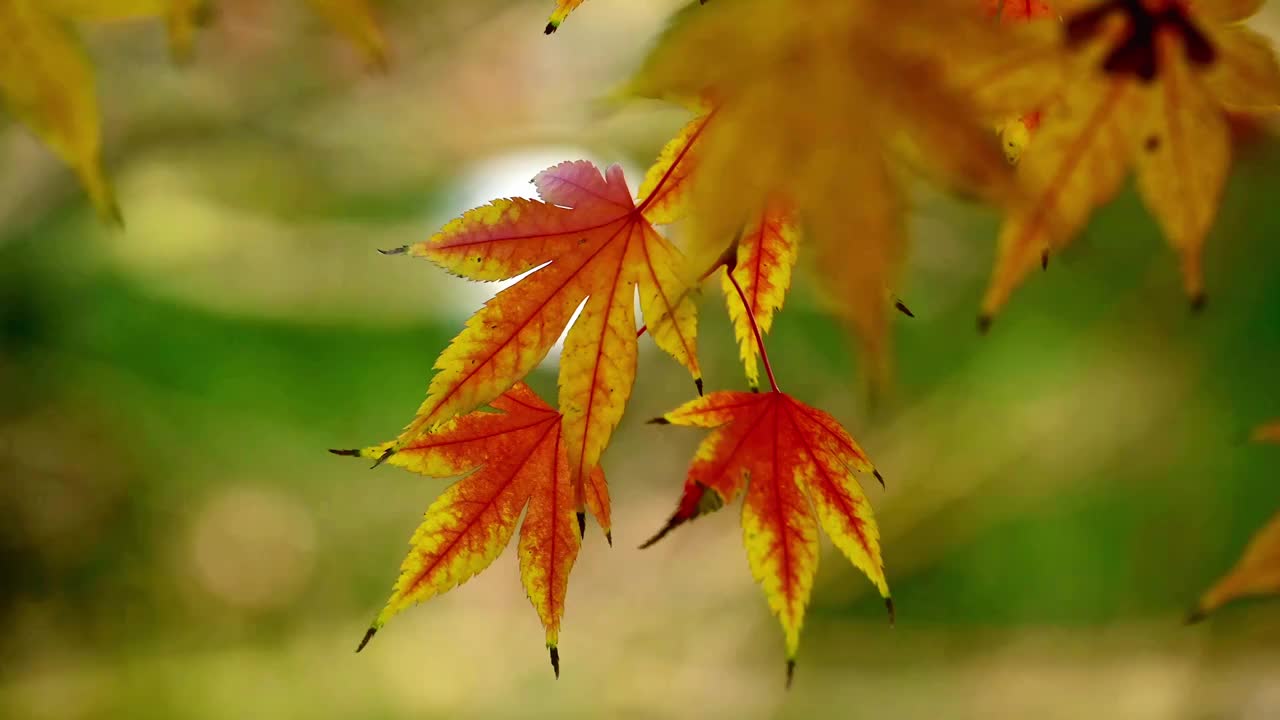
[
  {"x": 356, "y": 20},
  {"x": 797, "y": 466},
  {"x": 762, "y": 265},
  {"x": 792, "y": 460},
  {"x": 509, "y": 460},
  {"x": 593, "y": 247},
  {"x": 1138, "y": 83},
  {"x": 1256, "y": 573},
  {"x": 47, "y": 83},
  {"x": 1258, "y": 570},
  {"x": 1015, "y": 131},
  {"x": 822, "y": 107}
]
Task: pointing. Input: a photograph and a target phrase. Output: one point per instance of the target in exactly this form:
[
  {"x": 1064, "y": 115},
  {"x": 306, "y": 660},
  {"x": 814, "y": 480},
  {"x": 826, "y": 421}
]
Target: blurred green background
[{"x": 177, "y": 543}]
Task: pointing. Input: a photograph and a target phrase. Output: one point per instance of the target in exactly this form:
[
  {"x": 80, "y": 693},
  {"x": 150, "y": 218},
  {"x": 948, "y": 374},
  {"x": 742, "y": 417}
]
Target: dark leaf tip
[
  {"x": 368, "y": 635},
  {"x": 555, "y": 659},
  {"x": 345, "y": 453}
]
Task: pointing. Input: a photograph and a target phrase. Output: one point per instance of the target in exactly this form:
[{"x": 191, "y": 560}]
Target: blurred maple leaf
[
  {"x": 593, "y": 246},
  {"x": 47, "y": 82},
  {"x": 509, "y": 460},
  {"x": 792, "y": 460},
  {"x": 1257, "y": 572},
  {"x": 1015, "y": 131},
  {"x": 46, "y": 79},
  {"x": 823, "y": 106},
  {"x": 1127, "y": 82}
]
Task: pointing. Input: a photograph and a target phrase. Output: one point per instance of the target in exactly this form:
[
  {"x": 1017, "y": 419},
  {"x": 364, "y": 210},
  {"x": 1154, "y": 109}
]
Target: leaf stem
[{"x": 755, "y": 329}]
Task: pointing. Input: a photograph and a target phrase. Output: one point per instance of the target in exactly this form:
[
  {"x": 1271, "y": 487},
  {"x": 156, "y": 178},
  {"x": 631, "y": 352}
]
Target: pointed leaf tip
[
  {"x": 1198, "y": 301},
  {"x": 658, "y": 421},
  {"x": 555, "y": 659},
  {"x": 698, "y": 384},
  {"x": 383, "y": 457},
  {"x": 672, "y": 523},
  {"x": 345, "y": 453},
  {"x": 878, "y": 476},
  {"x": 1044, "y": 260},
  {"x": 368, "y": 635},
  {"x": 582, "y": 525},
  {"x": 888, "y": 605},
  {"x": 608, "y": 536},
  {"x": 1195, "y": 616},
  {"x": 984, "y": 324},
  {"x": 791, "y": 671},
  {"x": 902, "y": 308},
  {"x": 550, "y": 28},
  {"x": 395, "y": 251}
]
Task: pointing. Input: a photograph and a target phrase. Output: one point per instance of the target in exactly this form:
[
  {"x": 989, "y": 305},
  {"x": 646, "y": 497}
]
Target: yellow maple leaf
[
  {"x": 46, "y": 81},
  {"x": 1140, "y": 84},
  {"x": 823, "y": 106}
]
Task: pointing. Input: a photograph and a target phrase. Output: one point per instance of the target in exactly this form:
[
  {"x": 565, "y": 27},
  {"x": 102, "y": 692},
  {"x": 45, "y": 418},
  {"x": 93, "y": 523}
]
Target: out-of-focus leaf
[
  {"x": 47, "y": 82},
  {"x": 1256, "y": 573},
  {"x": 356, "y": 20},
  {"x": 819, "y": 103},
  {"x": 1146, "y": 85}
]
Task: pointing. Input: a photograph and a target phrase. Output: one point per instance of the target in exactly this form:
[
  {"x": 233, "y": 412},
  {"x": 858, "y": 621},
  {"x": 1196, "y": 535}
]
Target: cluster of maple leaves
[{"x": 807, "y": 118}]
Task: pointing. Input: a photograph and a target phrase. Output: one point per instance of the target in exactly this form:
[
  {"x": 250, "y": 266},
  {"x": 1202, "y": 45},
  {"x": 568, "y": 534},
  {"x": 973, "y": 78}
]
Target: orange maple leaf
[
  {"x": 1257, "y": 572},
  {"x": 509, "y": 460},
  {"x": 824, "y": 107},
  {"x": 1129, "y": 83},
  {"x": 793, "y": 460},
  {"x": 596, "y": 248}
]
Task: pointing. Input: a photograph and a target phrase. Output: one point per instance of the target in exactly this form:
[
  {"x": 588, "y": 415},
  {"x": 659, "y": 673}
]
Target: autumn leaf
[
  {"x": 1258, "y": 570},
  {"x": 593, "y": 247},
  {"x": 1267, "y": 433},
  {"x": 763, "y": 262},
  {"x": 824, "y": 107},
  {"x": 797, "y": 467},
  {"x": 1256, "y": 573},
  {"x": 1144, "y": 85},
  {"x": 510, "y": 460},
  {"x": 563, "y": 8},
  {"x": 47, "y": 83},
  {"x": 356, "y": 20},
  {"x": 1015, "y": 131},
  {"x": 1015, "y": 10}
]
